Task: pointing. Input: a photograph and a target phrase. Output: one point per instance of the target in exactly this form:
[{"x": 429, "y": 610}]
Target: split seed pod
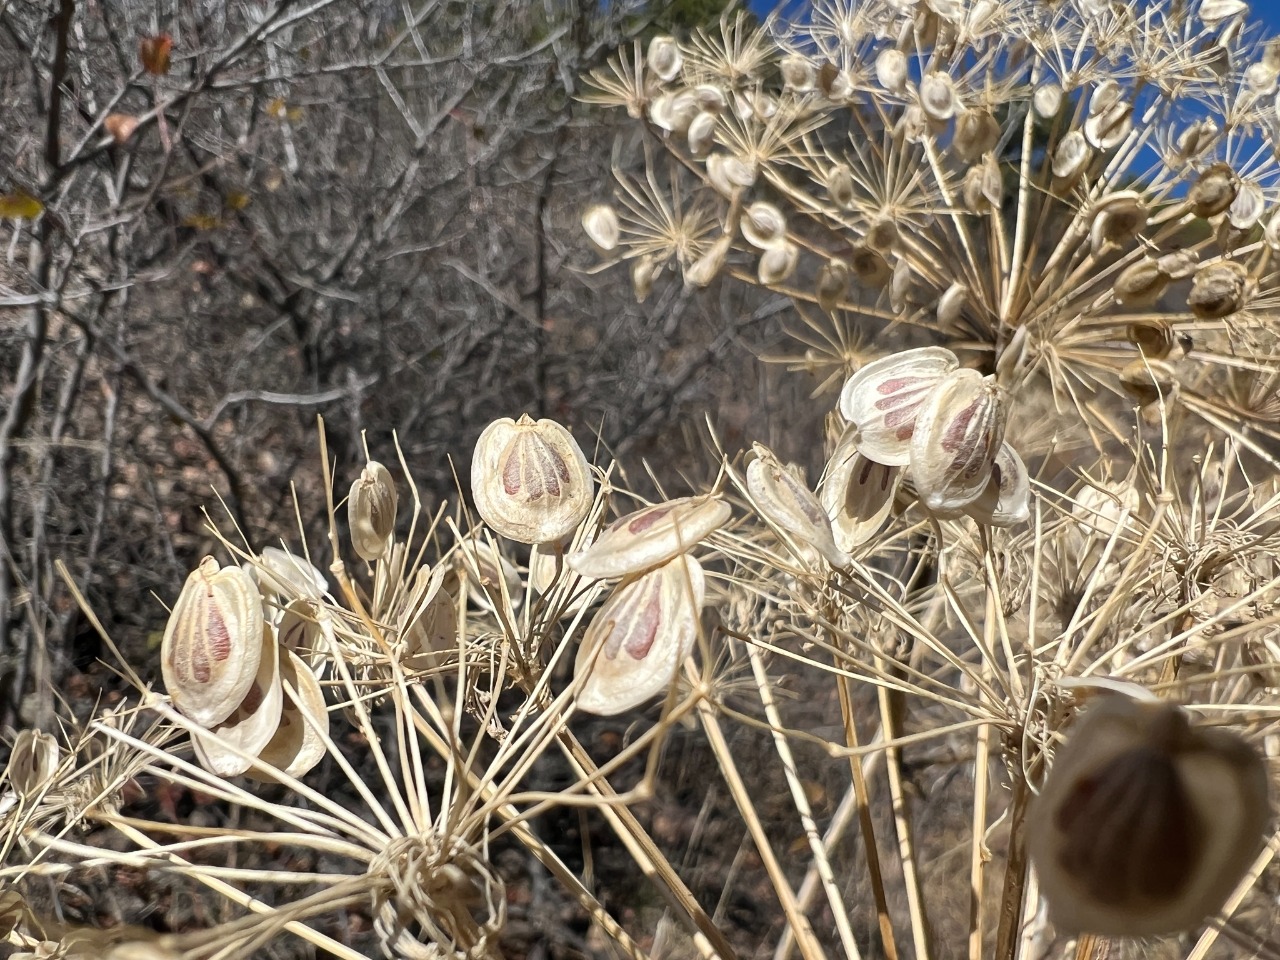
[
  {"x": 1154, "y": 338},
  {"x": 884, "y": 397},
  {"x": 229, "y": 747},
  {"x": 785, "y": 501},
  {"x": 297, "y": 745},
  {"x": 299, "y": 632},
  {"x": 530, "y": 481},
  {"x": 729, "y": 174},
  {"x": 212, "y": 642},
  {"x": 1070, "y": 158},
  {"x": 1145, "y": 823},
  {"x": 1117, "y": 219},
  {"x": 371, "y": 511},
  {"x": 702, "y": 133},
  {"x": 870, "y": 268},
  {"x": 891, "y": 69},
  {"x": 650, "y": 537},
  {"x": 777, "y": 263},
  {"x": 957, "y": 435},
  {"x": 32, "y": 762},
  {"x": 856, "y": 493},
  {"x": 1007, "y": 499},
  {"x": 429, "y": 623},
  {"x": 638, "y": 639}
]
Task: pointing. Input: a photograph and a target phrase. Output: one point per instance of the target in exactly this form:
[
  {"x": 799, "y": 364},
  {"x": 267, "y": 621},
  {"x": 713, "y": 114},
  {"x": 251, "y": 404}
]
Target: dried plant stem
[
  {"x": 1210, "y": 935},
  {"x": 1013, "y": 897},
  {"x": 978, "y": 853}
]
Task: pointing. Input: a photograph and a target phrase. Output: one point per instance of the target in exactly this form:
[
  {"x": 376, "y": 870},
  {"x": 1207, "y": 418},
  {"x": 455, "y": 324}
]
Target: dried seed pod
[
  {"x": 840, "y": 185},
  {"x": 882, "y": 234},
  {"x": 281, "y": 576},
  {"x": 777, "y": 263},
  {"x": 1248, "y": 206},
  {"x": 729, "y": 174},
  {"x": 951, "y": 304},
  {"x": 1260, "y": 79},
  {"x": 229, "y": 746},
  {"x": 702, "y": 133},
  {"x": 644, "y": 270},
  {"x": 299, "y": 741},
  {"x": 1214, "y": 12},
  {"x": 912, "y": 125},
  {"x": 984, "y": 186},
  {"x": 1108, "y": 128},
  {"x": 869, "y": 267},
  {"x": 785, "y": 501},
  {"x": 891, "y": 69},
  {"x": 530, "y": 481},
  {"x": 121, "y": 126},
  {"x": 299, "y": 632},
  {"x": 600, "y": 222},
  {"x": 1196, "y": 139},
  {"x": 707, "y": 267},
  {"x": 1147, "y": 381},
  {"x": 32, "y": 762},
  {"x": 1213, "y": 192},
  {"x": 901, "y": 285},
  {"x": 1070, "y": 158},
  {"x": 1006, "y": 501},
  {"x": 492, "y": 581},
  {"x": 428, "y": 624},
  {"x": 1271, "y": 232},
  {"x": 856, "y": 493},
  {"x": 371, "y": 511},
  {"x": 1178, "y": 265},
  {"x": 1140, "y": 284},
  {"x": 673, "y": 111},
  {"x": 1117, "y": 219},
  {"x": 664, "y": 58},
  {"x": 636, "y": 642},
  {"x": 977, "y": 133},
  {"x": 650, "y": 537},
  {"x": 1145, "y": 823},
  {"x": 938, "y": 97},
  {"x": 1047, "y": 100},
  {"x": 1218, "y": 290},
  {"x": 834, "y": 83},
  {"x": 958, "y": 433},
  {"x": 1155, "y": 339},
  {"x": 799, "y": 75},
  {"x": 883, "y": 399},
  {"x": 833, "y": 284},
  {"x": 212, "y": 642},
  {"x": 710, "y": 97},
  {"x": 764, "y": 226}
]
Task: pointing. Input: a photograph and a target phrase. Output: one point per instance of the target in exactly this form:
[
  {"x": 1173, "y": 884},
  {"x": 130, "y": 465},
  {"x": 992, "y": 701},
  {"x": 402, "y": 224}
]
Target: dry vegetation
[{"x": 994, "y": 671}]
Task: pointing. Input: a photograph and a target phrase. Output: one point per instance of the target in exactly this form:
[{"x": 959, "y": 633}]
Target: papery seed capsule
[
  {"x": 783, "y": 499},
  {"x": 1271, "y": 232},
  {"x": 1047, "y": 100},
  {"x": 644, "y": 270},
  {"x": 901, "y": 285},
  {"x": 798, "y": 74},
  {"x": 729, "y": 174},
  {"x": 282, "y": 576},
  {"x": 636, "y": 642},
  {"x": 938, "y": 98},
  {"x": 869, "y": 267},
  {"x": 833, "y": 284},
  {"x": 1196, "y": 139},
  {"x": 951, "y": 304},
  {"x": 1213, "y": 192},
  {"x": 883, "y": 399},
  {"x": 492, "y": 581},
  {"x": 212, "y": 642},
  {"x": 977, "y": 133},
  {"x": 912, "y": 125},
  {"x": 1145, "y": 823},
  {"x": 1155, "y": 339},
  {"x": 1218, "y": 290},
  {"x": 428, "y": 623},
  {"x": 650, "y": 537},
  {"x": 1117, "y": 219},
  {"x": 834, "y": 83},
  {"x": 299, "y": 632},
  {"x": 1140, "y": 284},
  {"x": 371, "y": 511},
  {"x": 664, "y": 58},
  {"x": 710, "y": 97},
  {"x": 882, "y": 234},
  {"x": 957, "y": 435},
  {"x": 1178, "y": 265},
  {"x": 856, "y": 493},
  {"x": 702, "y": 133},
  {"x": 891, "y": 69},
  {"x": 1147, "y": 381},
  {"x": 673, "y": 111},
  {"x": 777, "y": 263},
  {"x": 230, "y": 745},
  {"x": 299, "y": 741},
  {"x": 1110, "y": 116},
  {"x": 1260, "y": 79},
  {"x": 1247, "y": 208},
  {"x": 1006, "y": 501},
  {"x": 840, "y": 185},
  {"x": 707, "y": 267},
  {"x": 1214, "y": 12},
  {"x": 984, "y": 186},
  {"x": 32, "y": 762},
  {"x": 601, "y": 224},
  {"x": 763, "y": 225},
  {"x": 1071, "y": 157},
  {"x": 530, "y": 480}
]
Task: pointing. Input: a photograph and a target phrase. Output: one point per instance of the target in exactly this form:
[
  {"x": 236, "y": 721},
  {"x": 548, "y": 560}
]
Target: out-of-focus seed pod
[
  {"x": 884, "y": 398},
  {"x": 1006, "y": 501},
  {"x": 32, "y": 762},
  {"x": 230, "y": 745},
  {"x": 707, "y": 267},
  {"x": 1248, "y": 206},
  {"x": 664, "y": 58},
  {"x": 856, "y": 493},
  {"x": 212, "y": 642},
  {"x": 1140, "y": 284},
  {"x": 834, "y": 83},
  {"x": 1154, "y": 338},
  {"x": 1070, "y": 159},
  {"x": 1108, "y": 128},
  {"x": 710, "y": 97},
  {"x": 729, "y": 174},
  {"x": 530, "y": 480},
  {"x": 489, "y": 576},
  {"x": 882, "y": 234},
  {"x": 1196, "y": 139},
  {"x": 1117, "y": 219},
  {"x": 1260, "y": 79},
  {"x": 702, "y": 133},
  {"x": 281, "y": 576},
  {"x": 984, "y": 186},
  {"x": 1149, "y": 380},
  {"x": 121, "y": 126},
  {"x": 833, "y": 284},
  {"x": 957, "y": 435},
  {"x": 798, "y": 74},
  {"x": 1178, "y": 265},
  {"x": 764, "y": 226},
  {"x": 785, "y": 501},
  {"x": 674, "y": 111},
  {"x": 901, "y": 285},
  {"x": 938, "y": 97},
  {"x": 912, "y": 125},
  {"x": 650, "y": 537},
  {"x": 891, "y": 70},
  {"x": 600, "y": 221},
  {"x": 297, "y": 745},
  {"x": 644, "y": 270},
  {"x": 777, "y": 263},
  {"x": 1214, "y": 12},
  {"x": 977, "y": 133},
  {"x": 1218, "y": 290},
  {"x": 951, "y": 304},
  {"x": 870, "y": 268},
  {"x": 840, "y": 185},
  {"x": 371, "y": 511},
  {"x": 1213, "y": 192},
  {"x": 1145, "y": 823},
  {"x": 636, "y": 642},
  {"x": 1047, "y": 100}
]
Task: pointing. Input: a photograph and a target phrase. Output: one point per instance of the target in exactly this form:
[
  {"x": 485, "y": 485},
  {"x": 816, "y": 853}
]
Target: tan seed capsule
[
  {"x": 702, "y": 133},
  {"x": 673, "y": 111},
  {"x": 1147, "y": 381},
  {"x": 530, "y": 480},
  {"x": 1140, "y": 284},
  {"x": 764, "y": 226},
  {"x": 777, "y": 263},
  {"x": 884, "y": 398},
  {"x": 938, "y": 97},
  {"x": 1145, "y": 823},
  {"x": 299, "y": 741},
  {"x": 1107, "y": 129},
  {"x": 729, "y": 174},
  {"x": 798, "y": 74},
  {"x": 707, "y": 267},
  {"x": 1117, "y": 219},
  {"x": 785, "y": 501},
  {"x": 958, "y": 432},
  {"x": 664, "y": 58},
  {"x": 1178, "y": 265},
  {"x": 32, "y": 762},
  {"x": 1070, "y": 158},
  {"x": 891, "y": 69},
  {"x": 1154, "y": 338},
  {"x": 644, "y": 271},
  {"x": 1218, "y": 290},
  {"x": 984, "y": 186},
  {"x": 952, "y": 303},
  {"x": 650, "y": 537},
  {"x": 230, "y": 745},
  {"x": 977, "y": 133},
  {"x": 833, "y": 284},
  {"x": 857, "y": 493},
  {"x": 1196, "y": 139},
  {"x": 1248, "y": 206},
  {"x": 1006, "y": 501},
  {"x": 212, "y": 642},
  {"x": 371, "y": 511},
  {"x": 1213, "y": 192},
  {"x": 601, "y": 224},
  {"x": 840, "y": 185},
  {"x": 870, "y": 268},
  {"x": 1047, "y": 100},
  {"x": 882, "y": 234}
]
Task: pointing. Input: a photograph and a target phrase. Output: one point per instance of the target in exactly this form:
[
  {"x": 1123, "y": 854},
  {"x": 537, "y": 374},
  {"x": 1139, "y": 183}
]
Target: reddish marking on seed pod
[
  {"x": 639, "y": 644},
  {"x": 647, "y": 519},
  {"x": 219, "y": 635}
]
